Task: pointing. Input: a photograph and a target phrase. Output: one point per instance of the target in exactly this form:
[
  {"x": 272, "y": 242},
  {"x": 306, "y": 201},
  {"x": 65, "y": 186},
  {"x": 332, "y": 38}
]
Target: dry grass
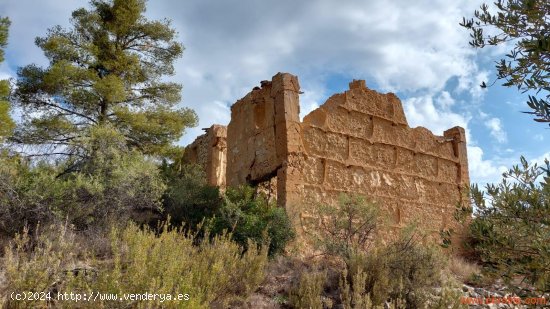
[
  {"x": 170, "y": 262},
  {"x": 462, "y": 269}
]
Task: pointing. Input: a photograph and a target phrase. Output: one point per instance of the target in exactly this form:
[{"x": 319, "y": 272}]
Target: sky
[{"x": 415, "y": 49}]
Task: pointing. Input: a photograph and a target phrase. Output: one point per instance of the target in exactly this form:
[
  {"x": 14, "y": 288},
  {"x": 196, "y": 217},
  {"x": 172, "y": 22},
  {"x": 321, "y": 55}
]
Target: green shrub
[
  {"x": 348, "y": 227},
  {"x": 404, "y": 271},
  {"x": 353, "y": 293},
  {"x": 216, "y": 271},
  {"x": 188, "y": 199},
  {"x": 449, "y": 297},
  {"x": 308, "y": 291},
  {"x": 414, "y": 269},
  {"x": 35, "y": 193},
  {"x": 251, "y": 216},
  {"x": 109, "y": 185},
  {"x": 37, "y": 263},
  {"x": 18, "y": 206},
  {"x": 510, "y": 232}
]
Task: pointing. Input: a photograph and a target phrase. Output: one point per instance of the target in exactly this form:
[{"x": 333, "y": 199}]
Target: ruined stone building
[{"x": 358, "y": 141}]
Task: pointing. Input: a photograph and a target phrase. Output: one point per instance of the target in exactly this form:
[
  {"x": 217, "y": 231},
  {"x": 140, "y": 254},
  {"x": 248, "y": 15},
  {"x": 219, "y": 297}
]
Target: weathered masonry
[{"x": 358, "y": 141}]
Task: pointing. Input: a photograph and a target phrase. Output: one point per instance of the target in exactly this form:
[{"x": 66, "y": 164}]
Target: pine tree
[
  {"x": 108, "y": 69},
  {"x": 6, "y": 123}
]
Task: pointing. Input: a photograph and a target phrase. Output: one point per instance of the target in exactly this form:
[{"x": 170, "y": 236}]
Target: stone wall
[
  {"x": 357, "y": 142},
  {"x": 210, "y": 151},
  {"x": 262, "y": 126}
]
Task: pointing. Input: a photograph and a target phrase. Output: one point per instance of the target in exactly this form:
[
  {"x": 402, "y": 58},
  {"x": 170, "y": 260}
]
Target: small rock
[{"x": 480, "y": 291}]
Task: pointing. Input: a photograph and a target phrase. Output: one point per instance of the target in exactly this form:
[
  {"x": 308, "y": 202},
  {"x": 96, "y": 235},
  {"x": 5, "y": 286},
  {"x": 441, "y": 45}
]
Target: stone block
[
  {"x": 398, "y": 114},
  {"x": 448, "y": 171},
  {"x": 370, "y": 102},
  {"x": 364, "y": 153},
  {"x": 313, "y": 170},
  {"x": 387, "y": 132},
  {"x": 349, "y": 122},
  {"x": 405, "y": 160},
  {"x": 445, "y": 150},
  {"x": 405, "y": 187},
  {"x": 287, "y": 107},
  {"x": 360, "y": 180},
  {"x": 325, "y": 144},
  {"x": 338, "y": 175},
  {"x": 425, "y": 165},
  {"x": 425, "y": 141},
  {"x": 316, "y": 118}
]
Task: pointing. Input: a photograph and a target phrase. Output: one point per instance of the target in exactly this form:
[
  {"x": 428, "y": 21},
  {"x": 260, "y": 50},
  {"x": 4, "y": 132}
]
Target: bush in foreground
[
  {"x": 214, "y": 272},
  {"x": 111, "y": 184},
  {"x": 251, "y": 216},
  {"x": 242, "y": 211},
  {"x": 404, "y": 272},
  {"x": 188, "y": 199}
]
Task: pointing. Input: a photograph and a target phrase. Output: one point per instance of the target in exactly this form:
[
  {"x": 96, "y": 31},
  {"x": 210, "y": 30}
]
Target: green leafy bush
[
  {"x": 510, "y": 232},
  {"x": 404, "y": 272},
  {"x": 188, "y": 198},
  {"x": 244, "y": 212},
  {"x": 251, "y": 216},
  {"x": 353, "y": 293}
]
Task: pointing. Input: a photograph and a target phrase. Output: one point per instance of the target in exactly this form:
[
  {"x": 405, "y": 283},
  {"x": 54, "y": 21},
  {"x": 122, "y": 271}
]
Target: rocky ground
[
  {"x": 282, "y": 276},
  {"x": 473, "y": 294},
  {"x": 499, "y": 292}
]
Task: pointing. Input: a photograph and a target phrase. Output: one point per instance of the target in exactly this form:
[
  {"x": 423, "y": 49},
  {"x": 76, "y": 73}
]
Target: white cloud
[
  {"x": 483, "y": 171},
  {"x": 30, "y": 19},
  {"x": 445, "y": 101},
  {"x": 4, "y": 75},
  {"x": 421, "y": 111},
  {"x": 538, "y": 137},
  {"x": 411, "y": 47},
  {"x": 232, "y": 45},
  {"x": 436, "y": 113},
  {"x": 471, "y": 83},
  {"x": 312, "y": 97},
  {"x": 483, "y": 115},
  {"x": 496, "y": 130},
  {"x": 540, "y": 159}
]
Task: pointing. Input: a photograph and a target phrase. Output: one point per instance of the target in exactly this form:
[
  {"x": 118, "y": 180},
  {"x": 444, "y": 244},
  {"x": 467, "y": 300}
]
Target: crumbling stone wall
[
  {"x": 210, "y": 151},
  {"x": 263, "y": 125},
  {"x": 359, "y": 142}
]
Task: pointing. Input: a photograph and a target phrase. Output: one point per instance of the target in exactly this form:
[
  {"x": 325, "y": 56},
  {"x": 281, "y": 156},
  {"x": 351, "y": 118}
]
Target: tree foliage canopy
[
  {"x": 112, "y": 186},
  {"x": 108, "y": 68},
  {"x": 525, "y": 24},
  {"x": 511, "y": 229},
  {"x": 6, "y": 123}
]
